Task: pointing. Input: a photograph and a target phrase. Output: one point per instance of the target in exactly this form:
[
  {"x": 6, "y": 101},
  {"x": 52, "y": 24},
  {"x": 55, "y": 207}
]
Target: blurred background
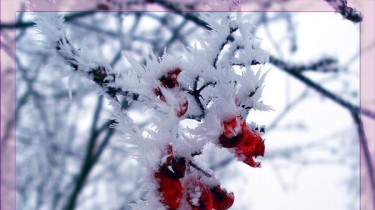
[{"x": 312, "y": 142}]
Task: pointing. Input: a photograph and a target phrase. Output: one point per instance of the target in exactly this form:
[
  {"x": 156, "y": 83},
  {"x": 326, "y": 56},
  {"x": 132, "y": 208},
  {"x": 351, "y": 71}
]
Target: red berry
[
  {"x": 199, "y": 196},
  {"x": 246, "y": 143},
  {"x": 233, "y": 132},
  {"x": 183, "y": 108},
  {"x": 250, "y": 146},
  {"x": 171, "y": 190},
  {"x": 173, "y": 166},
  {"x": 221, "y": 199},
  {"x": 159, "y": 94},
  {"x": 168, "y": 175},
  {"x": 179, "y": 167},
  {"x": 170, "y": 79}
]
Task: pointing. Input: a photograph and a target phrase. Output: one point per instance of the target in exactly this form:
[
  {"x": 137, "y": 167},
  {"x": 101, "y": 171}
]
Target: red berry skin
[
  {"x": 159, "y": 94},
  {"x": 171, "y": 190},
  {"x": 170, "y": 79},
  {"x": 230, "y": 142},
  {"x": 245, "y": 142},
  {"x": 233, "y": 126},
  {"x": 178, "y": 166},
  {"x": 221, "y": 199},
  {"x": 174, "y": 166},
  {"x": 205, "y": 200},
  {"x": 233, "y": 132},
  {"x": 183, "y": 108},
  {"x": 250, "y": 146}
]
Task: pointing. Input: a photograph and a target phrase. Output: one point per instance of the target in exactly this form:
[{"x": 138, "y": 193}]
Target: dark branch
[
  {"x": 365, "y": 149},
  {"x": 227, "y": 40},
  {"x": 28, "y": 24},
  {"x": 322, "y": 65},
  {"x": 196, "y": 93},
  {"x": 349, "y": 106},
  {"x": 188, "y": 16},
  {"x": 87, "y": 164},
  {"x": 199, "y": 169},
  {"x": 101, "y": 75}
]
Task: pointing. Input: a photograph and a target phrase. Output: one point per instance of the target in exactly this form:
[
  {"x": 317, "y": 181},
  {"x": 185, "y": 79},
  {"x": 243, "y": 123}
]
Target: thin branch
[
  {"x": 188, "y": 16},
  {"x": 323, "y": 65},
  {"x": 283, "y": 66},
  {"x": 68, "y": 18},
  {"x": 87, "y": 164},
  {"x": 196, "y": 93},
  {"x": 228, "y": 39},
  {"x": 101, "y": 75},
  {"x": 365, "y": 149},
  {"x": 337, "y": 99},
  {"x": 199, "y": 169}
]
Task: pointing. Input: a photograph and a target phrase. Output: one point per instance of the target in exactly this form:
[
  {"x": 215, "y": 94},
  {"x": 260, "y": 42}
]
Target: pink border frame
[{"x": 8, "y": 9}]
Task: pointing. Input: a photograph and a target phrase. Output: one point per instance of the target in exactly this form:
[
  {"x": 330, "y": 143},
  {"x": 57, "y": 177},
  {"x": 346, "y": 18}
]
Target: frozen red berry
[
  {"x": 168, "y": 177},
  {"x": 170, "y": 189},
  {"x": 169, "y": 80},
  {"x": 222, "y": 200},
  {"x": 173, "y": 166},
  {"x": 246, "y": 143},
  {"x": 199, "y": 196},
  {"x": 183, "y": 108},
  {"x": 232, "y": 132},
  {"x": 159, "y": 94},
  {"x": 249, "y": 147}
]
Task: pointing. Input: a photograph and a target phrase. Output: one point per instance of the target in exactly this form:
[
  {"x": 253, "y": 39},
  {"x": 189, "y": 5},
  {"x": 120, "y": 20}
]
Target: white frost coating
[{"x": 220, "y": 79}]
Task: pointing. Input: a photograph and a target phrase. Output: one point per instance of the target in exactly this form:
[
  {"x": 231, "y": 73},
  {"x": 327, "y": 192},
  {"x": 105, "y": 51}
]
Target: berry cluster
[{"x": 174, "y": 187}]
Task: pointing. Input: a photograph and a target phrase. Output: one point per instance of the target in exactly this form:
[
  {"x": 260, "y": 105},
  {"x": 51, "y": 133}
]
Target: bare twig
[
  {"x": 28, "y": 24},
  {"x": 365, "y": 149},
  {"x": 87, "y": 164},
  {"x": 337, "y": 99}
]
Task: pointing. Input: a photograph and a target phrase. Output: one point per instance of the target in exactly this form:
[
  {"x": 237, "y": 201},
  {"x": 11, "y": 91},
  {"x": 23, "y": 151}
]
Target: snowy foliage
[{"x": 216, "y": 83}]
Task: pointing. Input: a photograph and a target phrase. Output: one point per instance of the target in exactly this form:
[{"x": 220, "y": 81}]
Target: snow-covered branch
[{"x": 202, "y": 84}]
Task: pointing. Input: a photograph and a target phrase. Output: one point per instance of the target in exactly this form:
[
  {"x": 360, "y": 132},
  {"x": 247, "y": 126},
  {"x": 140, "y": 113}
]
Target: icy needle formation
[{"x": 216, "y": 83}]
